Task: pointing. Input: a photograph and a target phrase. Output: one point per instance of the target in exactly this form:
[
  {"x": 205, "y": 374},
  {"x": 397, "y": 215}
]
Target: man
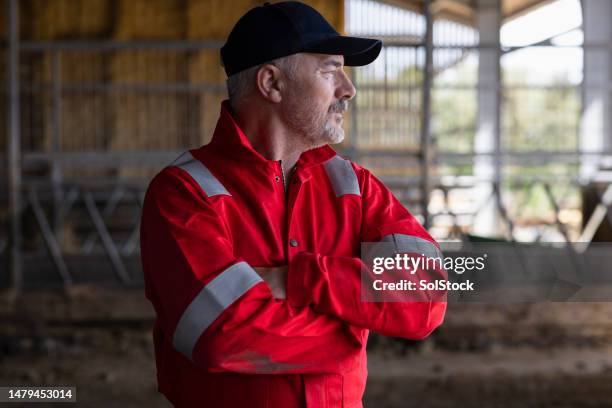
[{"x": 251, "y": 244}]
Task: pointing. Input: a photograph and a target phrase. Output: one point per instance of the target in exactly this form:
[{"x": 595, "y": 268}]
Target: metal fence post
[
  {"x": 426, "y": 159},
  {"x": 56, "y": 143},
  {"x": 14, "y": 146}
]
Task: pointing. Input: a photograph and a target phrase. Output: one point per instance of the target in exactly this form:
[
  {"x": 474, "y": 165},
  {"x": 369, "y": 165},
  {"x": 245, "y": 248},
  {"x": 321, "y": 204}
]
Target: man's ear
[{"x": 270, "y": 83}]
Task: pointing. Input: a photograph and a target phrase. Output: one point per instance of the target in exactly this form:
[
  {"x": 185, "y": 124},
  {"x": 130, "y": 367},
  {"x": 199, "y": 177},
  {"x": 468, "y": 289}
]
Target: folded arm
[{"x": 333, "y": 284}]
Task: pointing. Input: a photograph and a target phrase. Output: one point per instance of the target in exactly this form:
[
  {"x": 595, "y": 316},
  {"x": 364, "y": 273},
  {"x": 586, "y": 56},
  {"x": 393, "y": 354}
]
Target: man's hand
[{"x": 276, "y": 278}]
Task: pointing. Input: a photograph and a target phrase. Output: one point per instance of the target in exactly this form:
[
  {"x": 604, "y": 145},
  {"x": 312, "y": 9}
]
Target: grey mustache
[{"x": 339, "y": 107}]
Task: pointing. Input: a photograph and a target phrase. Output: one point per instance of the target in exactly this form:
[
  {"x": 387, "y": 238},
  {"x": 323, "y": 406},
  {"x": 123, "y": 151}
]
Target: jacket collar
[{"x": 230, "y": 141}]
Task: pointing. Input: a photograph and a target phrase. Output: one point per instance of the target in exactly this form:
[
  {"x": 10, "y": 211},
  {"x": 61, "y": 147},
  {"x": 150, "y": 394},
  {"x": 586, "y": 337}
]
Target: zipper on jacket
[
  {"x": 286, "y": 182},
  {"x": 283, "y": 176},
  {"x": 282, "y": 170}
]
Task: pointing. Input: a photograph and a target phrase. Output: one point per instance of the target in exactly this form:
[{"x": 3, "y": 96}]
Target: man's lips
[{"x": 338, "y": 116}]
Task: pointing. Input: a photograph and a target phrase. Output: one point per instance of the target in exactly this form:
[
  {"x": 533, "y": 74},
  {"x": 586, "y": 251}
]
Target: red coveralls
[{"x": 221, "y": 339}]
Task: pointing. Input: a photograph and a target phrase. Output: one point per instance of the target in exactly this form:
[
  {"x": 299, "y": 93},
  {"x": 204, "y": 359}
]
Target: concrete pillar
[
  {"x": 597, "y": 84},
  {"x": 487, "y": 141}
]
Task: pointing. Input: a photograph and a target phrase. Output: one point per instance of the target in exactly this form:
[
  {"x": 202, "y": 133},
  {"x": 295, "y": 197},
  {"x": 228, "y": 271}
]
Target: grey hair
[{"x": 241, "y": 84}]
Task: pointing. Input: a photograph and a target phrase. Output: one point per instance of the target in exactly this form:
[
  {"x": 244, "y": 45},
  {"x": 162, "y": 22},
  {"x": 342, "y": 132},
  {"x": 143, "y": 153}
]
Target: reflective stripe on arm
[
  {"x": 200, "y": 173},
  {"x": 412, "y": 243},
  {"x": 342, "y": 176},
  {"x": 212, "y": 300}
]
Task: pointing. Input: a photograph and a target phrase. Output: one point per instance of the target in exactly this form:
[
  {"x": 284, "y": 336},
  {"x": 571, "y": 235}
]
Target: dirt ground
[
  {"x": 123, "y": 375},
  {"x": 502, "y": 357},
  {"x": 502, "y": 378}
]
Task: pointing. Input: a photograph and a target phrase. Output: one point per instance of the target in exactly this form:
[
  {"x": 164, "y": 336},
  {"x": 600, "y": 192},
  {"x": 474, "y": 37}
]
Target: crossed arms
[{"x": 226, "y": 315}]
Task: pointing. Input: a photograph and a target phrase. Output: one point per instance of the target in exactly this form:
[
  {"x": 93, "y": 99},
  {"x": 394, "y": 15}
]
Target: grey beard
[
  {"x": 317, "y": 130},
  {"x": 333, "y": 134}
]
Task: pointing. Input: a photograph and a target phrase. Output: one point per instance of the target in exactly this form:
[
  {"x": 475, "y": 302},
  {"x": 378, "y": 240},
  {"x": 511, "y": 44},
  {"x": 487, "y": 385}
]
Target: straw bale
[
  {"x": 332, "y": 10},
  {"x": 75, "y": 66},
  {"x": 128, "y": 120},
  {"x": 81, "y": 122},
  {"x": 86, "y": 113},
  {"x": 205, "y": 67},
  {"x": 213, "y": 19},
  {"x": 150, "y": 19},
  {"x": 148, "y": 120},
  {"x": 59, "y": 19},
  {"x": 209, "y": 114},
  {"x": 148, "y": 66},
  {"x": 82, "y": 115}
]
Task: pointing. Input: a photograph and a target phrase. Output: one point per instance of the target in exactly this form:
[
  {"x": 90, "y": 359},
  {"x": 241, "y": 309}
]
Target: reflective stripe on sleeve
[
  {"x": 200, "y": 173},
  {"x": 212, "y": 300},
  {"x": 342, "y": 176},
  {"x": 411, "y": 243}
]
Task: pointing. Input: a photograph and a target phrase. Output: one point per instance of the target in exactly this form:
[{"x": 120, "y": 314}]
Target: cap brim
[{"x": 356, "y": 51}]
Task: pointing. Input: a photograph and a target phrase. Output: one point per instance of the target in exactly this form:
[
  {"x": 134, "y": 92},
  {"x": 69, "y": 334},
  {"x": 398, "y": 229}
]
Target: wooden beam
[
  {"x": 522, "y": 7},
  {"x": 463, "y": 12}
]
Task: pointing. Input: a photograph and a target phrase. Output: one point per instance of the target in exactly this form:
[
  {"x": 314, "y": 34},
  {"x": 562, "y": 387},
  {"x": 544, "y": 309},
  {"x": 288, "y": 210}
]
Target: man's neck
[{"x": 271, "y": 139}]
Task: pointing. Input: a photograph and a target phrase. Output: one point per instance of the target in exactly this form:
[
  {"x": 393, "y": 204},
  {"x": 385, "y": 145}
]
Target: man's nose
[{"x": 345, "y": 89}]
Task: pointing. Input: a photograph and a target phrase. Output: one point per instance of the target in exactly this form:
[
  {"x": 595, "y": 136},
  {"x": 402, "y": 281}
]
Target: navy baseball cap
[{"x": 277, "y": 30}]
